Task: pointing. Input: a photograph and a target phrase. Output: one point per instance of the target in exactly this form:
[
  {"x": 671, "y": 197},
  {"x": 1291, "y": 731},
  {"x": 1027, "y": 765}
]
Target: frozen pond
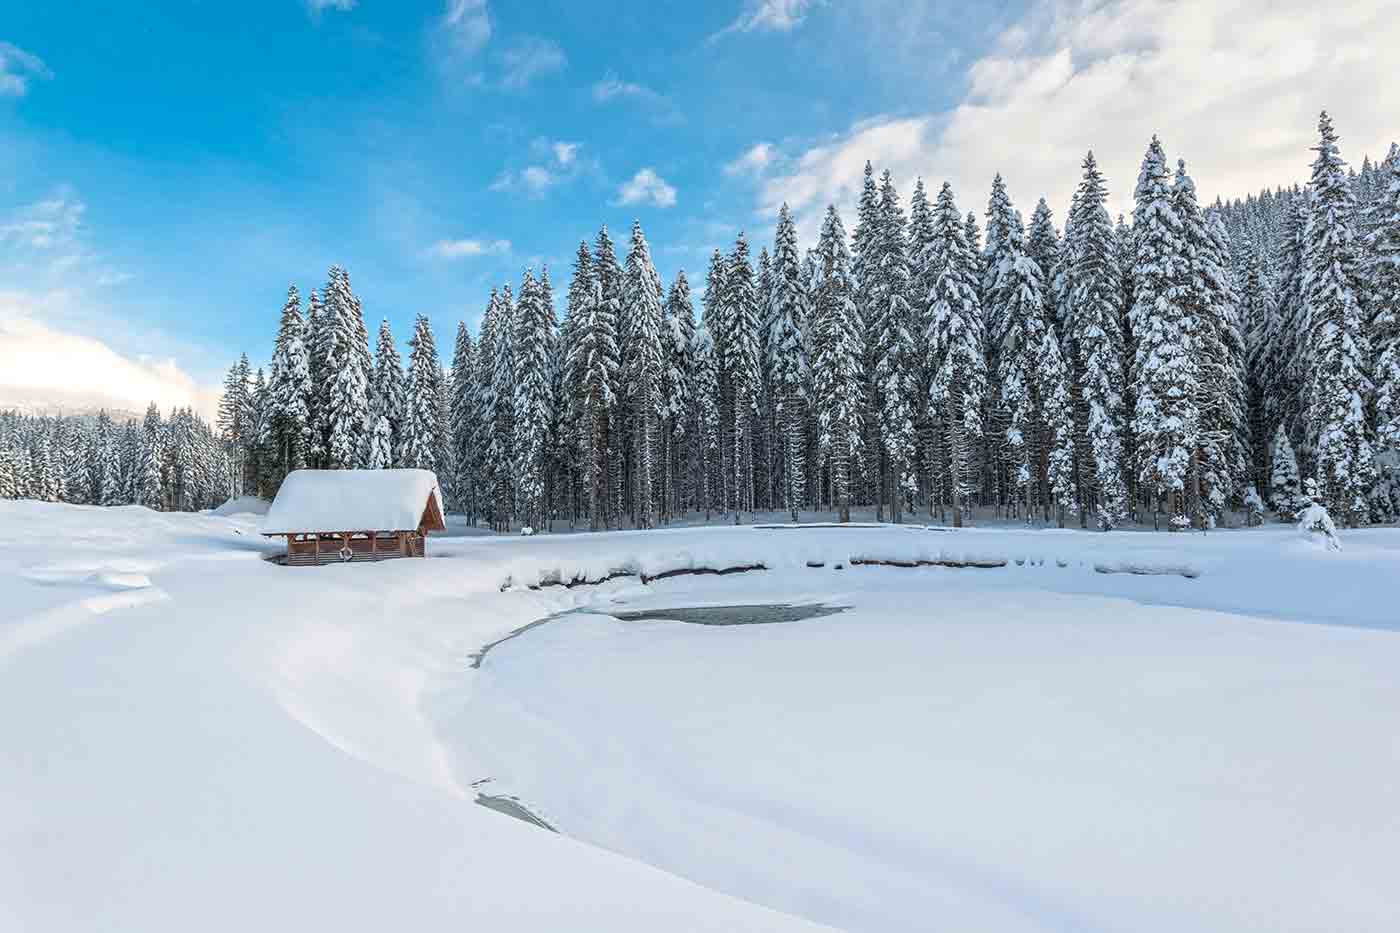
[{"x": 732, "y": 615}]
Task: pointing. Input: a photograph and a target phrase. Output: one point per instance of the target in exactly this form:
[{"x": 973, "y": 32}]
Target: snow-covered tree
[
  {"x": 1338, "y": 383},
  {"x": 837, "y": 378},
  {"x": 388, "y": 393},
  {"x": 1165, "y": 376},
  {"x": 789, "y": 320},
  {"x": 955, "y": 338},
  {"x": 533, "y": 345},
  {"x": 1093, "y": 326},
  {"x": 421, "y": 415},
  {"x": 289, "y": 391}
]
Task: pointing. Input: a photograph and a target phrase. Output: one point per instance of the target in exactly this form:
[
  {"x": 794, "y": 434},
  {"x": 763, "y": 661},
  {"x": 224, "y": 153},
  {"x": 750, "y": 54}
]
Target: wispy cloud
[
  {"x": 466, "y": 24},
  {"x": 647, "y": 187},
  {"x": 468, "y": 248},
  {"x": 317, "y": 7},
  {"x": 611, "y": 89},
  {"x": 754, "y": 160},
  {"x": 18, "y": 68},
  {"x": 527, "y": 58},
  {"x": 769, "y": 16},
  {"x": 559, "y": 162},
  {"x": 45, "y": 225}
]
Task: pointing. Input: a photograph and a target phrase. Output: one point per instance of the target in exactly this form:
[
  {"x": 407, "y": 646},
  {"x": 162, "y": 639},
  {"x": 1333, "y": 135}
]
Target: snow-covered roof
[{"x": 351, "y": 500}]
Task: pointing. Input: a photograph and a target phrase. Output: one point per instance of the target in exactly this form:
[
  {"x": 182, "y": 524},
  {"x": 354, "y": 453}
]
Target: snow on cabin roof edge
[{"x": 351, "y": 500}]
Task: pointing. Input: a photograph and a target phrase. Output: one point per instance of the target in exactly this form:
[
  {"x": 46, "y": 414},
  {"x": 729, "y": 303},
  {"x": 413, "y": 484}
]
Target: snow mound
[{"x": 242, "y": 505}]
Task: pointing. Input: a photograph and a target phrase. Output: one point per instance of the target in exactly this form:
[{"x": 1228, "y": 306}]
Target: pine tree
[
  {"x": 462, "y": 422},
  {"x": 593, "y": 360},
  {"x": 894, "y": 360},
  {"x": 741, "y": 359},
  {"x": 955, "y": 337},
  {"x": 709, "y": 466},
  {"x": 678, "y": 393},
  {"x": 1166, "y": 419},
  {"x": 1285, "y": 487},
  {"x": 421, "y": 414},
  {"x": 837, "y": 373},
  {"x": 1384, "y": 283},
  {"x": 1093, "y": 326},
  {"x": 347, "y": 368},
  {"x": 533, "y": 345},
  {"x": 290, "y": 391},
  {"x": 643, "y": 297},
  {"x": 789, "y": 320},
  {"x": 608, "y": 273},
  {"x": 388, "y": 392},
  {"x": 1338, "y": 382}
]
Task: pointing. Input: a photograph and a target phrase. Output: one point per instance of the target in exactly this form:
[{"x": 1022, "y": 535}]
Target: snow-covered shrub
[
  {"x": 1317, "y": 526},
  {"x": 1180, "y": 523},
  {"x": 526, "y": 530},
  {"x": 1254, "y": 507}
]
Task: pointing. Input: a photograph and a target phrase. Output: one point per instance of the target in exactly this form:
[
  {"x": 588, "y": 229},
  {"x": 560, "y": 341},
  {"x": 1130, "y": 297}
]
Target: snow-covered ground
[{"x": 1130, "y": 731}]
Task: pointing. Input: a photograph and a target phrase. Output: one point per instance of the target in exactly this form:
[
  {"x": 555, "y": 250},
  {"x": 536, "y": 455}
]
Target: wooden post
[
  {"x": 373, "y": 546},
  {"x": 316, "y": 552}
]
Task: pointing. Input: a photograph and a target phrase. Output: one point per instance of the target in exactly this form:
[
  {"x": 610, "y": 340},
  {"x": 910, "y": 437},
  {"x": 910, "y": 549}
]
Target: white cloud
[
  {"x": 465, "y": 249},
  {"x": 565, "y": 153},
  {"x": 527, "y": 58},
  {"x": 647, "y": 187},
  {"x": 562, "y": 164},
  {"x": 317, "y": 7},
  {"x": 17, "y": 68},
  {"x": 611, "y": 87},
  {"x": 40, "y": 365},
  {"x": 466, "y": 25},
  {"x": 769, "y": 16},
  {"x": 45, "y": 225},
  {"x": 752, "y": 162},
  {"x": 1232, "y": 87}
]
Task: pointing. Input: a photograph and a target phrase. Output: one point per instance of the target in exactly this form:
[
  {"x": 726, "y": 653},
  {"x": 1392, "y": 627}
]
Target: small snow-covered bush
[
  {"x": 1316, "y": 525},
  {"x": 1180, "y": 523},
  {"x": 1254, "y": 507},
  {"x": 526, "y": 530}
]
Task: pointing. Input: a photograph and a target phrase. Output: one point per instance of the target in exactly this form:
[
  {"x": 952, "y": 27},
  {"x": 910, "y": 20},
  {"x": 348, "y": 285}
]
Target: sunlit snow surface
[{"x": 194, "y": 738}]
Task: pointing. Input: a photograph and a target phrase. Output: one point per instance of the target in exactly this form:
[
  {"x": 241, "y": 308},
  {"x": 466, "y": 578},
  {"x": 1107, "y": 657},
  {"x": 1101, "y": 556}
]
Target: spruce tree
[
  {"x": 789, "y": 320},
  {"x": 1384, "y": 279},
  {"x": 388, "y": 393},
  {"x": 1338, "y": 381},
  {"x": 1166, "y": 418},
  {"x": 463, "y": 425},
  {"x": 642, "y": 295},
  {"x": 533, "y": 347},
  {"x": 955, "y": 338},
  {"x": 837, "y": 377},
  {"x": 593, "y": 360},
  {"x": 290, "y": 391},
  {"x": 894, "y": 351},
  {"x": 1097, "y": 341},
  {"x": 678, "y": 394},
  {"x": 421, "y": 415}
]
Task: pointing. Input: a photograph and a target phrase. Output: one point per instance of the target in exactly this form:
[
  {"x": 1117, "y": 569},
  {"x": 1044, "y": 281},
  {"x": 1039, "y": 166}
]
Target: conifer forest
[{"x": 1186, "y": 366}]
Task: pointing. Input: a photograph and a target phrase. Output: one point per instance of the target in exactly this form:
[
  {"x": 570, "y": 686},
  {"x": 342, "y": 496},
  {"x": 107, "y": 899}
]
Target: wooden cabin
[{"x": 342, "y": 516}]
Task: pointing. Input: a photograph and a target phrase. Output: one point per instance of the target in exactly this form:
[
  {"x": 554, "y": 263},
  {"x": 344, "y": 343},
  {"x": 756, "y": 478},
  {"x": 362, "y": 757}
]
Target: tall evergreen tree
[
  {"x": 789, "y": 320},
  {"x": 837, "y": 377},
  {"x": 388, "y": 393},
  {"x": 1166, "y": 419},
  {"x": 955, "y": 337},
  {"x": 533, "y": 346},
  {"x": 1338, "y": 383}
]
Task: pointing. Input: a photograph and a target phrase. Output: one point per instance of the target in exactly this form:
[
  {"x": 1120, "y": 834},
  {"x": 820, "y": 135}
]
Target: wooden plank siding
[{"x": 325, "y": 548}]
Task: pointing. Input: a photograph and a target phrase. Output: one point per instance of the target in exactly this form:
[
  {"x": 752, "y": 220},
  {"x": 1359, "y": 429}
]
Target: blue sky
[{"x": 166, "y": 169}]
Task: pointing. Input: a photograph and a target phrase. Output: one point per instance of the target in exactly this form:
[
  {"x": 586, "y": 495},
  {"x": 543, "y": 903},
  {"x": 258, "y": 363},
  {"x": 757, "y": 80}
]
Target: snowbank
[
  {"x": 242, "y": 505},
  {"x": 183, "y": 719}
]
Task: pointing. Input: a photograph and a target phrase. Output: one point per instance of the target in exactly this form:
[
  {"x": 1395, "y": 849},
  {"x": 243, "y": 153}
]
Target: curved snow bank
[
  {"x": 240, "y": 727},
  {"x": 952, "y": 747}
]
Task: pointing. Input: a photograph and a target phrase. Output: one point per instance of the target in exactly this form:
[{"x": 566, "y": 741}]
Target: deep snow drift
[{"x": 196, "y": 738}]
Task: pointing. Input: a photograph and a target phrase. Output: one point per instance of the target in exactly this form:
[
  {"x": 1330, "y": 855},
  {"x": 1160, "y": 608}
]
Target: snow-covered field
[{"x": 1130, "y": 731}]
